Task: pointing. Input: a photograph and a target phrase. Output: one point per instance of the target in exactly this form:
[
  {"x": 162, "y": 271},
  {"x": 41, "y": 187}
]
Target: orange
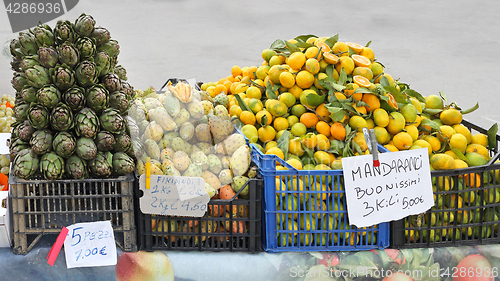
[
  {"x": 346, "y": 63},
  {"x": 312, "y": 65},
  {"x": 304, "y": 79},
  {"x": 359, "y": 138},
  {"x": 275, "y": 60},
  {"x": 323, "y": 112},
  {"x": 266, "y": 133},
  {"x": 357, "y": 122},
  {"x": 338, "y": 131},
  {"x": 330, "y": 58},
  {"x": 402, "y": 141},
  {"x": 363, "y": 71},
  {"x": 355, "y": 47},
  {"x": 323, "y": 46},
  {"x": 451, "y": 116},
  {"x": 361, "y": 81},
  {"x": 323, "y": 142},
  {"x": 275, "y": 72},
  {"x": 236, "y": 70},
  {"x": 309, "y": 119},
  {"x": 367, "y": 52},
  {"x": 280, "y": 123},
  {"x": 235, "y": 110},
  {"x": 253, "y": 92},
  {"x": 276, "y": 151},
  {"x": 323, "y": 128},
  {"x": 361, "y": 60},
  {"x": 260, "y": 114},
  {"x": 441, "y": 161},
  {"x": 372, "y": 101},
  {"x": 312, "y": 52},
  {"x": 295, "y": 147},
  {"x": 267, "y": 54},
  {"x": 340, "y": 49},
  {"x": 287, "y": 79}
]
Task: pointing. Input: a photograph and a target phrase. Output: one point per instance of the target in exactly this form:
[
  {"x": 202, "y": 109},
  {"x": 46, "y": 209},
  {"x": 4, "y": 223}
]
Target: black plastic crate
[
  {"x": 466, "y": 209},
  {"x": 229, "y": 225},
  {"x": 41, "y": 207}
]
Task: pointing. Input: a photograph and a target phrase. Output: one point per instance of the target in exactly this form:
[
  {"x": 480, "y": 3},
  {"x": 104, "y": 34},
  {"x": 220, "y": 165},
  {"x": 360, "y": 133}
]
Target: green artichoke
[
  {"x": 29, "y": 94},
  {"x": 27, "y": 43},
  {"x": 86, "y": 47},
  {"x": 97, "y": 98},
  {"x": 74, "y": 98},
  {"x": 68, "y": 54},
  {"x": 112, "y": 121},
  {"x": 104, "y": 141},
  {"x": 28, "y": 62},
  {"x": 102, "y": 62},
  {"x": 112, "y": 48},
  {"x": 86, "y": 148},
  {"x": 26, "y": 164},
  {"x": 101, "y": 36},
  {"x": 122, "y": 164},
  {"x": 43, "y": 35},
  {"x": 123, "y": 142},
  {"x": 48, "y": 56},
  {"x": 127, "y": 89},
  {"x": 52, "y": 166},
  {"x": 111, "y": 82},
  {"x": 102, "y": 165},
  {"x": 121, "y": 72},
  {"x": 37, "y": 76},
  {"x": 86, "y": 123},
  {"x": 86, "y": 73},
  {"x": 61, "y": 117},
  {"x": 20, "y": 111},
  {"x": 119, "y": 101},
  {"x": 49, "y": 96},
  {"x": 17, "y": 146},
  {"x": 63, "y": 77},
  {"x": 84, "y": 25},
  {"x": 64, "y": 144},
  {"x": 19, "y": 81},
  {"x": 76, "y": 168},
  {"x": 15, "y": 49},
  {"x": 25, "y": 131},
  {"x": 41, "y": 141},
  {"x": 38, "y": 116},
  {"x": 64, "y": 32}
]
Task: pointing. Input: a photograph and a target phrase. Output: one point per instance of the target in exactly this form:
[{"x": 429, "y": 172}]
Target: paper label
[
  {"x": 399, "y": 187},
  {"x": 174, "y": 195},
  {"x": 90, "y": 244}
]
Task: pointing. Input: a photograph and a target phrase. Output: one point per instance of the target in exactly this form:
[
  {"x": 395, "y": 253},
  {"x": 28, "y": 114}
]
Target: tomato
[{"x": 474, "y": 268}]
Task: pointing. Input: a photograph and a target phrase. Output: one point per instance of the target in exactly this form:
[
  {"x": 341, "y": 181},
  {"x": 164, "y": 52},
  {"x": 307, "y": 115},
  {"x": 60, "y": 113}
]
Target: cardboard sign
[
  {"x": 174, "y": 195},
  {"x": 399, "y": 187},
  {"x": 90, "y": 244}
]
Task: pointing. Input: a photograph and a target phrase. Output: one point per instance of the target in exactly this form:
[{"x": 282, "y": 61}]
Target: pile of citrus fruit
[{"x": 311, "y": 97}]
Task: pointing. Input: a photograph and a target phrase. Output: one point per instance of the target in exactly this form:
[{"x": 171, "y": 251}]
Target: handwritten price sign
[
  {"x": 173, "y": 195},
  {"x": 399, "y": 187},
  {"x": 90, "y": 244}
]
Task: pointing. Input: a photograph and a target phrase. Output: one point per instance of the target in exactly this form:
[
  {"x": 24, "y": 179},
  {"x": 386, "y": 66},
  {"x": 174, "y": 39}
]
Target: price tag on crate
[
  {"x": 174, "y": 195},
  {"x": 399, "y": 187},
  {"x": 90, "y": 244}
]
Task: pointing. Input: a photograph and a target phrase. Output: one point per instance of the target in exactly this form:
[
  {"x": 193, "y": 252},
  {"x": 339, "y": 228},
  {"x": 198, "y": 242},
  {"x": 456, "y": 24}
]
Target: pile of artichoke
[{"x": 71, "y": 103}]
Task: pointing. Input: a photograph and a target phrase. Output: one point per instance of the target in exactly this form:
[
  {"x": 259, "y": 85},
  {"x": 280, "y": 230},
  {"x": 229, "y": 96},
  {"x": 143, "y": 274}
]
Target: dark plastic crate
[
  {"x": 229, "y": 225},
  {"x": 331, "y": 230},
  {"x": 463, "y": 214},
  {"x": 41, "y": 207}
]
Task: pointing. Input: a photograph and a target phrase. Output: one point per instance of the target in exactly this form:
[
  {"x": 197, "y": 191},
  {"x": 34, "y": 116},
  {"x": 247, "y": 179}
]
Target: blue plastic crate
[{"x": 306, "y": 210}]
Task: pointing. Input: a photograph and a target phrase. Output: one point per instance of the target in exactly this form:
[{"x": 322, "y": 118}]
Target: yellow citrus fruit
[
  {"x": 271, "y": 144},
  {"x": 287, "y": 98},
  {"x": 402, "y": 141},
  {"x": 262, "y": 71},
  {"x": 346, "y": 63},
  {"x": 312, "y": 52},
  {"x": 409, "y": 112},
  {"x": 287, "y": 79},
  {"x": 310, "y": 141},
  {"x": 358, "y": 122},
  {"x": 413, "y": 131},
  {"x": 255, "y": 105},
  {"x": 319, "y": 78},
  {"x": 298, "y": 129},
  {"x": 381, "y": 117},
  {"x": 480, "y": 138},
  {"x": 296, "y": 60},
  {"x": 424, "y": 144},
  {"x": 275, "y": 72},
  {"x": 340, "y": 49},
  {"x": 376, "y": 68},
  {"x": 277, "y": 108},
  {"x": 266, "y": 133},
  {"x": 312, "y": 65},
  {"x": 451, "y": 153},
  {"x": 295, "y": 91},
  {"x": 267, "y": 54},
  {"x": 382, "y": 135},
  {"x": 309, "y": 119},
  {"x": 361, "y": 81},
  {"x": 295, "y": 147},
  {"x": 391, "y": 148},
  {"x": 446, "y": 133},
  {"x": 298, "y": 110},
  {"x": 235, "y": 110},
  {"x": 280, "y": 123},
  {"x": 262, "y": 113},
  {"x": 323, "y": 128},
  {"x": 441, "y": 161},
  {"x": 461, "y": 129},
  {"x": 323, "y": 112},
  {"x": 254, "y": 92},
  {"x": 250, "y": 132},
  {"x": 276, "y": 60},
  {"x": 460, "y": 164},
  {"x": 323, "y": 142},
  {"x": 303, "y": 98},
  {"x": 292, "y": 119},
  {"x": 247, "y": 117},
  {"x": 459, "y": 142},
  {"x": 451, "y": 116},
  {"x": 295, "y": 163},
  {"x": 304, "y": 79},
  {"x": 330, "y": 58},
  {"x": 434, "y": 142},
  {"x": 479, "y": 149},
  {"x": 434, "y": 102},
  {"x": 355, "y": 47},
  {"x": 361, "y": 61},
  {"x": 359, "y": 138},
  {"x": 416, "y": 103},
  {"x": 276, "y": 151},
  {"x": 396, "y": 122},
  {"x": 363, "y": 71}
]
